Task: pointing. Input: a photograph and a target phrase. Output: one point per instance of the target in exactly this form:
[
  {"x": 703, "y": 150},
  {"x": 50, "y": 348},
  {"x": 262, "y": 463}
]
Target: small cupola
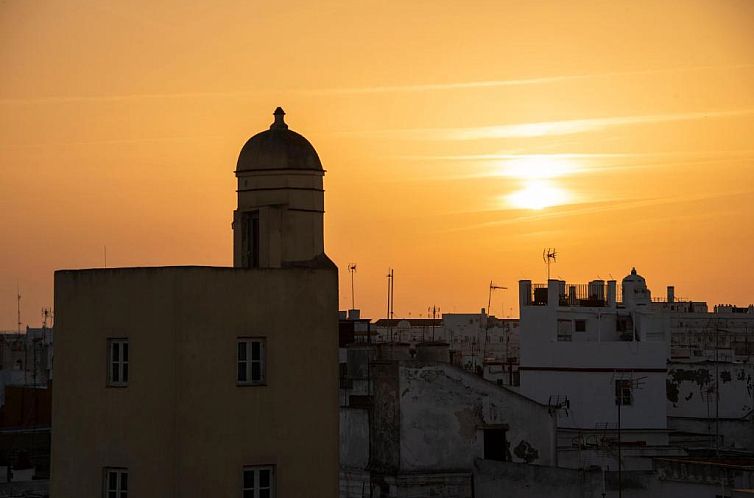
[{"x": 279, "y": 219}]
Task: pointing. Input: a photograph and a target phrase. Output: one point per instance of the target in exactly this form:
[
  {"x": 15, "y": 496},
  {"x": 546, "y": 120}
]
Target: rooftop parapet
[{"x": 597, "y": 293}]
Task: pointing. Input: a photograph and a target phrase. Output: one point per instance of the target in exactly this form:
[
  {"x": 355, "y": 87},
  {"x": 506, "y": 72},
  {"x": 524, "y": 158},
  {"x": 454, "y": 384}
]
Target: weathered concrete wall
[
  {"x": 354, "y": 438},
  {"x": 691, "y": 389},
  {"x": 29, "y": 488},
  {"x": 443, "y": 410},
  {"x": 692, "y": 403},
  {"x": 183, "y": 427},
  {"x": 511, "y": 480},
  {"x": 514, "y": 480},
  {"x": 384, "y": 436},
  {"x": 356, "y": 484},
  {"x": 419, "y": 485},
  {"x": 733, "y": 433}
]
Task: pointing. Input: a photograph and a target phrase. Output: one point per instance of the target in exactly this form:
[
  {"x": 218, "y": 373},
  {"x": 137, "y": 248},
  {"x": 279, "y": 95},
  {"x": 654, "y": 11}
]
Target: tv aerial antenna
[
  {"x": 352, "y": 270},
  {"x": 549, "y": 256},
  {"x": 493, "y": 287}
]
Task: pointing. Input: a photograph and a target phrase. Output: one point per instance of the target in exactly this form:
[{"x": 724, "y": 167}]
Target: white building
[{"x": 602, "y": 362}]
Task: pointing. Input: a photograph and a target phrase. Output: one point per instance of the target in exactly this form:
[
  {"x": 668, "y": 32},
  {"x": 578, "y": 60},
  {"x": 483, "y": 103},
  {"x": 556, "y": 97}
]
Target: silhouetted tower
[{"x": 279, "y": 219}]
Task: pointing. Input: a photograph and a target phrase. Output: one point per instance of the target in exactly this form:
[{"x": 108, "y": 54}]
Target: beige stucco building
[{"x": 201, "y": 381}]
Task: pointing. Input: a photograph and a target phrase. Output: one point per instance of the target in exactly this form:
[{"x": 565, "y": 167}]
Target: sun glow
[
  {"x": 539, "y": 190},
  {"x": 538, "y": 166},
  {"x": 538, "y": 194}
]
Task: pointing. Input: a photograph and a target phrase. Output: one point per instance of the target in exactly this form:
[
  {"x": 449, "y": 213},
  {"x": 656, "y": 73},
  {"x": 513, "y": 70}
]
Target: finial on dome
[
  {"x": 279, "y": 123},
  {"x": 633, "y": 269}
]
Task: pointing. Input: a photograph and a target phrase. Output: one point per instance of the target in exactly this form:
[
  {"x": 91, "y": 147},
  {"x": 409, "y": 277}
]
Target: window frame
[
  {"x": 119, "y": 490},
  {"x": 250, "y": 238},
  {"x": 119, "y": 365},
  {"x": 256, "y": 469},
  {"x": 248, "y": 361}
]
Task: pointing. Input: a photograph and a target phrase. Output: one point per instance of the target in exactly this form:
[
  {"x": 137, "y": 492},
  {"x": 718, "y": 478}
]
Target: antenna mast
[
  {"x": 549, "y": 256},
  {"x": 18, "y": 308},
  {"x": 489, "y": 296},
  {"x": 390, "y": 301},
  {"x": 352, "y": 270},
  {"x": 435, "y": 310}
]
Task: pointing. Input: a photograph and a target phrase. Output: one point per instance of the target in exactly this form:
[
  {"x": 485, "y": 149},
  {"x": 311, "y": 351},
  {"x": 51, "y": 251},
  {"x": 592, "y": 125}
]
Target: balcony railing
[{"x": 593, "y": 294}]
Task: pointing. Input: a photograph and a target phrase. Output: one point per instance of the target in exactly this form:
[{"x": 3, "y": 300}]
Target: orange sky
[{"x": 630, "y": 125}]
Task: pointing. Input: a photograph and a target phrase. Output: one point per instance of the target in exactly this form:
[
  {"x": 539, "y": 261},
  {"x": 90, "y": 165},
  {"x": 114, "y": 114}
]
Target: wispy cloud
[
  {"x": 428, "y": 87},
  {"x": 378, "y": 89},
  {"x": 113, "y": 141},
  {"x": 548, "y": 128},
  {"x": 595, "y": 207},
  {"x": 75, "y": 99},
  {"x": 485, "y": 166},
  {"x": 579, "y": 155}
]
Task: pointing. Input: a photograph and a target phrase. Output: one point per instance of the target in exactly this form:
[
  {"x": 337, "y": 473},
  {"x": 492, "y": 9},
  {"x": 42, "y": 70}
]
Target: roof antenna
[
  {"x": 18, "y": 307},
  {"x": 493, "y": 287},
  {"x": 549, "y": 256},
  {"x": 352, "y": 270}
]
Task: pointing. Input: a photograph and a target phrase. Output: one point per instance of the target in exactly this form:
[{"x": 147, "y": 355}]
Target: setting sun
[
  {"x": 538, "y": 194},
  {"x": 537, "y": 166},
  {"x": 538, "y": 174}
]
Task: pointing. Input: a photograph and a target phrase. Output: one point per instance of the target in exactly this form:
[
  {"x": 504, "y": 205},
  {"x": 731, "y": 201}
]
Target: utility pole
[
  {"x": 624, "y": 388},
  {"x": 717, "y": 391}
]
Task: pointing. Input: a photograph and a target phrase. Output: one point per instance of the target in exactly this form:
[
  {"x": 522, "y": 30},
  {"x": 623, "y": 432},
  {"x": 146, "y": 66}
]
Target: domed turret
[
  {"x": 279, "y": 219},
  {"x": 635, "y": 291},
  {"x": 278, "y": 148}
]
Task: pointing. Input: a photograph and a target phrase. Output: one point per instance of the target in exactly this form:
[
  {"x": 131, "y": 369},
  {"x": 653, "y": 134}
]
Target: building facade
[{"x": 192, "y": 381}]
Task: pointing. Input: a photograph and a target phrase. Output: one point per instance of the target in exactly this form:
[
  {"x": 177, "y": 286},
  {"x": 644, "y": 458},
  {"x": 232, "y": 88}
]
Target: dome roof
[
  {"x": 633, "y": 277},
  {"x": 278, "y": 148}
]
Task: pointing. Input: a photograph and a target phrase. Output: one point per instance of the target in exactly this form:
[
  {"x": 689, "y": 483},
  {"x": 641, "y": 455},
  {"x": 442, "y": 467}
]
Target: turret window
[{"x": 250, "y": 239}]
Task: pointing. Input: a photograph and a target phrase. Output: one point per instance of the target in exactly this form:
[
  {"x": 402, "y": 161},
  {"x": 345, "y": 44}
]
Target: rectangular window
[
  {"x": 250, "y": 238},
  {"x": 579, "y": 325},
  {"x": 565, "y": 331},
  {"x": 251, "y": 361},
  {"x": 623, "y": 392},
  {"x": 116, "y": 483},
  {"x": 258, "y": 482},
  {"x": 117, "y": 362},
  {"x": 495, "y": 447}
]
